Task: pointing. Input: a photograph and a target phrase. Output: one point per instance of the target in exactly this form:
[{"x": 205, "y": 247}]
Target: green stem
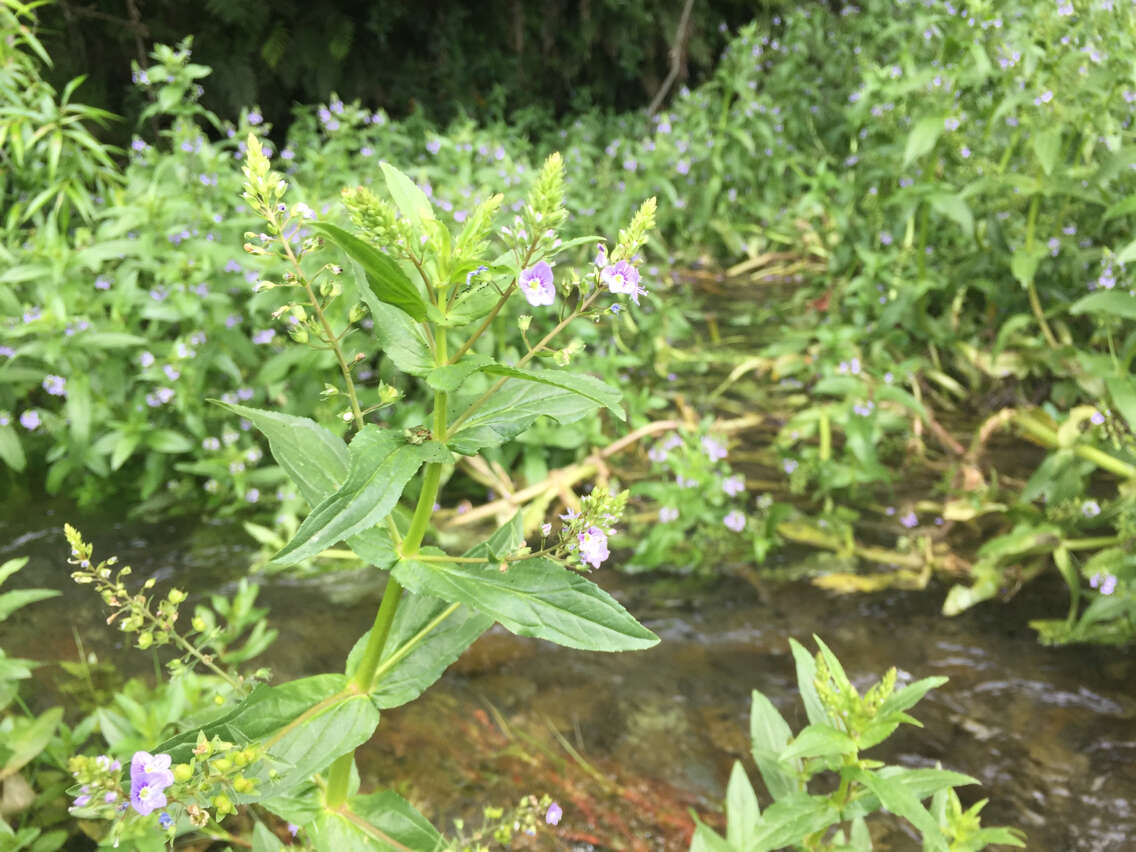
[
  {"x": 329, "y": 333},
  {"x": 1098, "y": 457},
  {"x": 1031, "y": 287}
]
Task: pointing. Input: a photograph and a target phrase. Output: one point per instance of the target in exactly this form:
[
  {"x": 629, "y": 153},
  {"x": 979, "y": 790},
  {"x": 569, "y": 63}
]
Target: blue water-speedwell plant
[{"x": 430, "y": 294}]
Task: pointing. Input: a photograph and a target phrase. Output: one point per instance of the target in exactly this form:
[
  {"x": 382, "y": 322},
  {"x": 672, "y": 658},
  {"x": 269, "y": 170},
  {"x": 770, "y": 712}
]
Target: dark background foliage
[{"x": 528, "y": 60}]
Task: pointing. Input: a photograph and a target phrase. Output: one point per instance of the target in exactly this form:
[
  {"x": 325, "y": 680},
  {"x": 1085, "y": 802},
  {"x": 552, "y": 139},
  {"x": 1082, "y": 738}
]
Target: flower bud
[
  {"x": 145, "y": 640},
  {"x": 176, "y": 596},
  {"x": 182, "y": 772},
  {"x": 223, "y": 805},
  {"x": 523, "y": 322},
  {"x": 243, "y": 785}
]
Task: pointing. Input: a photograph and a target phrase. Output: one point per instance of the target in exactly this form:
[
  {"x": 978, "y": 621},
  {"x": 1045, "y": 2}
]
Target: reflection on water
[{"x": 628, "y": 743}]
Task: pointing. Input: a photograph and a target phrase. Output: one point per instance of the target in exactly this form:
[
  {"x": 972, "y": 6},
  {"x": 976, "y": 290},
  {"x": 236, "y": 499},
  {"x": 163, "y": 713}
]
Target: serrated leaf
[
  {"x": 533, "y": 597},
  {"x": 581, "y": 384},
  {"x": 514, "y": 407},
  {"x": 787, "y": 820},
  {"x": 401, "y": 339},
  {"x": 304, "y": 725},
  {"x": 405, "y": 673},
  {"x": 817, "y": 741},
  {"x": 384, "y": 276},
  {"x": 382, "y": 462},
  {"x": 314, "y": 459},
  {"x": 450, "y": 377}
]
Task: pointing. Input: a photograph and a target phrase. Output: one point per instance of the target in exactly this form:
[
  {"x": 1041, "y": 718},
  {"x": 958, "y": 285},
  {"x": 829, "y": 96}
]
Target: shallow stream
[{"x": 629, "y": 743}]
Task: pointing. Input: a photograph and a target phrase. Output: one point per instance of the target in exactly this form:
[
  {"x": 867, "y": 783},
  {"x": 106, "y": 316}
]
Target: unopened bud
[
  {"x": 523, "y": 322},
  {"x": 182, "y": 772}
]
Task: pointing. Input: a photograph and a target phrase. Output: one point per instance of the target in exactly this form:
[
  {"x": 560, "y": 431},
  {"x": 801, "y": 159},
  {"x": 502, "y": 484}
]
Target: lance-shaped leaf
[
  {"x": 410, "y": 200},
  {"x": 450, "y": 377},
  {"x": 302, "y": 725},
  {"x": 382, "y": 462},
  {"x": 427, "y": 635},
  {"x": 380, "y": 821},
  {"x": 385, "y": 277},
  {"x": 511, "y": 410},
  {"x": 581, "y": 384},
  {"x": 315, "y": 459},
  {"x": 532, "y": 597}
]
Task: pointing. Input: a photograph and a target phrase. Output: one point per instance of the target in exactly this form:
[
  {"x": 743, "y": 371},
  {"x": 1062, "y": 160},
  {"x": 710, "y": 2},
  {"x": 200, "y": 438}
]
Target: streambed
[{"x": 628, "y": 743}]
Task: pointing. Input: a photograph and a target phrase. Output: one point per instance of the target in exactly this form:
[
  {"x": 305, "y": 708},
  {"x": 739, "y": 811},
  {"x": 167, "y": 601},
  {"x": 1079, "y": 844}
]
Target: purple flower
[
  {"x": 150, "y": 775},
  {"x": 55, "y": 385},
  {"x": 146, "y": 359},
  {"x": 433, "y": 146},
  {"x": 171, "y": 372},
  {"x": 657, "y": 454},
  {"x": 1097, "y": 418},
  {"x": 546, "y": 530},
  {"x": 7, "y": 351},
  {"x": 885, "y": 238},
  {"x": 165, "y": 820},
  {"x": 668, "y": 514},
  {"x": 554, "y": 814},
  {"x": 252, "y": 495},
  {"x": 30, "y": 420},
  {"x": 789, "y": 465},
  {"x": 910, "y": 520},
  {"x": 263, "y": 336},
  {"x": 255, "y": 118},
  {"x": 734, "y": 485},
  {"x": 293, "y": 828},
  {"x": 81, "y": 801},
  {"x": 593, "y": 546},
  {"x": 683, "y": 167},
  {"x": 715, "y": 450},
  {"x": 1090, "y": 508},
  {"x": 32, "y": 314},
  {"x": 4, "y": 418},
  {"x": 735, "y": 521},
  {"x": 536, "y": 284},
  {"x": 102, "y": 283},
  {"x": 601, "y": 256},
  {"x": 622, "y": 277}
]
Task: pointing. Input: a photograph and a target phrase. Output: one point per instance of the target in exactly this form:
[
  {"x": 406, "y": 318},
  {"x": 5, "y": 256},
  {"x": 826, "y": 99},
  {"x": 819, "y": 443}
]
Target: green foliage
[{"x": 842, "y": 724}]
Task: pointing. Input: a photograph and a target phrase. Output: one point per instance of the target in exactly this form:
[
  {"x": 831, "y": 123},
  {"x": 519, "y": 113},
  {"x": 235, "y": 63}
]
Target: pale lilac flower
[
  {"x": 715, "y": 450},
  {"x": 7, "y": 352},
  {"x": 554, "y": 814},
  {"x": 1090, "y": 508},
  {"x": 150, "y": 775},
  {"x": 81, "y": 801},
  {"x": 668, "y": 514},
  {"x": 885, "y": 238},
  {"x": 734, "y": 485},
  {"x": 102, "y": 283},
  {"x": 657, "y": 454},
  {"x": 433, "y": 146},
  {"x": 165, "y": 820},
  {"x": 292, "y": 827},
  {"x": 146, "y": 359},
  {"x": 263, "y": 336},
  {"x": 789, "y": 465},
  {"x": 735, "y": 521},
  {"x": 601, "y": 256},
  {"x": 909, "y": 520},
  {"x": 252, "y": 495},
  {"x": 593, "y": 546},
  {"x": 623, "y": 278},
  {"x": 30, "y": 420},
  {"x": 546, "y": 530},
  {"x": 1097, "y": 418},
  {"x": 255, "y": 118},
  {"x": 171, "y": 372},
  {"x": 32, "y": 314},
  {"x": 4, "y": 418},
  {"x": 536, "y": 284},
  {"x": 55, "y": 385}
]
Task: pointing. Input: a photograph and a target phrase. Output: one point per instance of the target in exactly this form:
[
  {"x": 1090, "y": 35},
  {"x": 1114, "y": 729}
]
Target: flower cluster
[{"x": 583, "y": 535}]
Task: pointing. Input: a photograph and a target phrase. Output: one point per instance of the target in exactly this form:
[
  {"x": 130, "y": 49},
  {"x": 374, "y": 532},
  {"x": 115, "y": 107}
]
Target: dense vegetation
[{"x": 887, "y": 250}]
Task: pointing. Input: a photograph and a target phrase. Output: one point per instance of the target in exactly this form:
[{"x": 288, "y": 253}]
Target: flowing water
[{"x": 630, "y": 743}]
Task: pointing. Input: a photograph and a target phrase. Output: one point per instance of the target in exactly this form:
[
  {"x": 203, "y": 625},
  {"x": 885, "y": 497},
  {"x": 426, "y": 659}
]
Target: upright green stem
[{"x": 1031, "y": 287}]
